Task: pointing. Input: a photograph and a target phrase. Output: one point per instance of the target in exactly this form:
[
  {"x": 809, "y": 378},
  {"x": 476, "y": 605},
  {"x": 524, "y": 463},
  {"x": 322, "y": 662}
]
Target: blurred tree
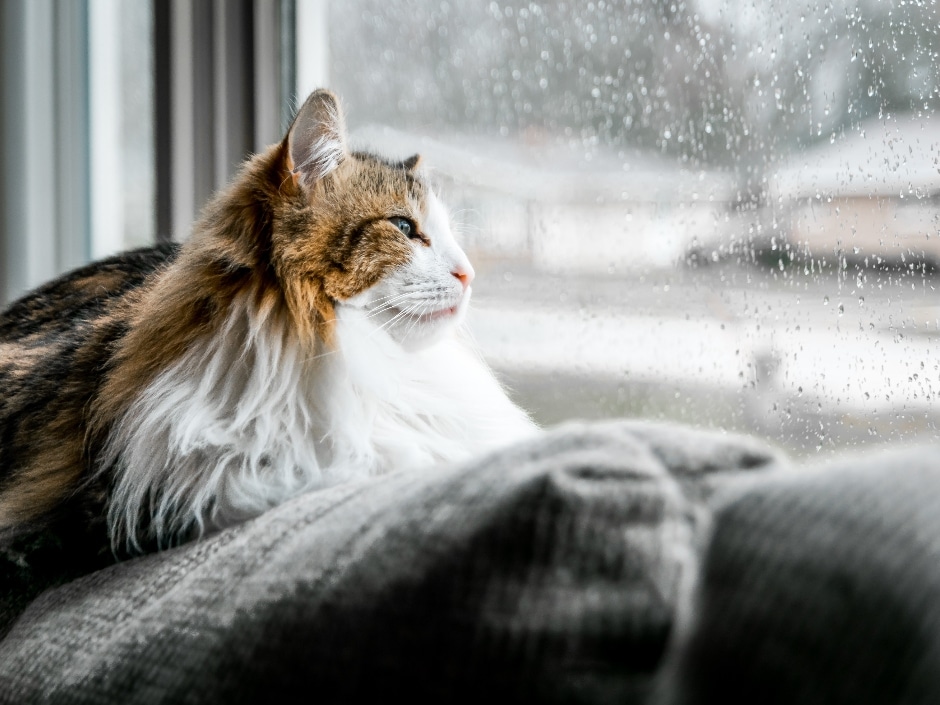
[
  {"x": 708, "y": 81},
  {"x": 615, "y": 73}
]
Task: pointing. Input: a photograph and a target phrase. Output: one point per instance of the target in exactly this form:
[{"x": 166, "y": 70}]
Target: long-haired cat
[{"x": 306, "y": 334}]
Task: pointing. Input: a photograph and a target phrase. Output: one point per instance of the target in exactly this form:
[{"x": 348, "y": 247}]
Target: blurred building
[{"x": 871, "y": 194}]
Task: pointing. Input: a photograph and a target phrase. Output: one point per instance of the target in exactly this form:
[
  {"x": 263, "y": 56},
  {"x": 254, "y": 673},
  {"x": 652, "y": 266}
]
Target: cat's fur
[{"x": 301, "y": 337}]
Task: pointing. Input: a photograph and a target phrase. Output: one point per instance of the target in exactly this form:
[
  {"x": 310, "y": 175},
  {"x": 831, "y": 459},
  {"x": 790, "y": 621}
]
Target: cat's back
[
  {"x": 75, "y": 299},
  {"x": 55, "y": 343},
  {"x": 55, "y": 347}
]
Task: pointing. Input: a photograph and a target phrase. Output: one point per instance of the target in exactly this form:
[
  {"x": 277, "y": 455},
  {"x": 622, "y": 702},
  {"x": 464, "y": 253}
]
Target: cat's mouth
[
  {"x": 431, "y": 316},
  {"x": 442, "y": 313}
]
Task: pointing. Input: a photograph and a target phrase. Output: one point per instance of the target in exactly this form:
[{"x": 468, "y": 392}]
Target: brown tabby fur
[{"x": 75, "y": 353}]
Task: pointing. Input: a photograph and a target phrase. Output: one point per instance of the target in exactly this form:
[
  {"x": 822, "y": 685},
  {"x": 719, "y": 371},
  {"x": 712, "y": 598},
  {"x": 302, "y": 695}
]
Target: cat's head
[{"x": 355, "y": 230}]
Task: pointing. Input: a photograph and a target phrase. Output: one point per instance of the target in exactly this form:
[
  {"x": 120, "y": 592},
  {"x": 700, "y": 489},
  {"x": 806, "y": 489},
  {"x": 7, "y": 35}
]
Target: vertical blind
[{"x": 119, "y": 119}]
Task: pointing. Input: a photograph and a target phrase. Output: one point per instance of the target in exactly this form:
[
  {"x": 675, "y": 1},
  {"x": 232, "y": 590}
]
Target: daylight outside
[{"x": 718, "y": 212}]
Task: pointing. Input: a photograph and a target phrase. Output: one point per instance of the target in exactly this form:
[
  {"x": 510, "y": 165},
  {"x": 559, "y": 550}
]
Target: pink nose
[{"x": 464, "y": 275}]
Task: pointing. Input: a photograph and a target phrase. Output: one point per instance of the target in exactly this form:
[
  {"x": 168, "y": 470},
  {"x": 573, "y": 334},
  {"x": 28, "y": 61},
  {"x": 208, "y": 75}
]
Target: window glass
[
  {"x": 138, "y": 165},
  {"x": 121, "y": 116},
  {"x": 718, "y": 212}
]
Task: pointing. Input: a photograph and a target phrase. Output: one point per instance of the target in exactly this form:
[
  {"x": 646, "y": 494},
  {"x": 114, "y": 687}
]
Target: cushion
[
  {"x": 818, "y": 586},
  {"x": 548, "y": 572}
]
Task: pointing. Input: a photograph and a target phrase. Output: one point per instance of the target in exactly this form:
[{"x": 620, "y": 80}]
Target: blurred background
[{"x": 720, "y": 212}]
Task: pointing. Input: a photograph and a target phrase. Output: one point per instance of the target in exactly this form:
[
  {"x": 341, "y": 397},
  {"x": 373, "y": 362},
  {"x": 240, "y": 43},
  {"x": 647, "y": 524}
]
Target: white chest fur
[{"x": 247, "y": 420}]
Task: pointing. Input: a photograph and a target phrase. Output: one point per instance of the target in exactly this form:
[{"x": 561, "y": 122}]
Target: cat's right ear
[{"x": 316, "y": 141}]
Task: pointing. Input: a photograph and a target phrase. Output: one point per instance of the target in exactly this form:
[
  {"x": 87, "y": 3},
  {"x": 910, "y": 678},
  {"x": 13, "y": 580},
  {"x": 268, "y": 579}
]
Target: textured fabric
[
  {"x": 563, "y": 570},
  {"x": 819, "y": 586},
  {"x": 549, "y": 572}
]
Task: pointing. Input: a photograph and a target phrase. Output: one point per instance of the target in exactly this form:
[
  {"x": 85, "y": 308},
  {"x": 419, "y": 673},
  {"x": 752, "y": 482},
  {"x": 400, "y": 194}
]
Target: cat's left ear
[
  {"x": 316, "y": 141},
  {"x": 412, "y": 162}
]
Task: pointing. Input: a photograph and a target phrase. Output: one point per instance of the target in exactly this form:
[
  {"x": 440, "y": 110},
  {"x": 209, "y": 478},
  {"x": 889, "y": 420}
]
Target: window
[
  {"x": 121, "y": 126},
  {"x": 710, "y": 211}
]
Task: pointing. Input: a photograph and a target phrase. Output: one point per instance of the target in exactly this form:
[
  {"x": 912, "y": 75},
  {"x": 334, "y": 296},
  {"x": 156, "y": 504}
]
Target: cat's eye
[{"x": 406, "y": 226}]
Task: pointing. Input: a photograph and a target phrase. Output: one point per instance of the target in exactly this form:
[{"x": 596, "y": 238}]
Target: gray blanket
[
  {"x": 619, "y": 562},
  {"x": 819, "y": 586}
]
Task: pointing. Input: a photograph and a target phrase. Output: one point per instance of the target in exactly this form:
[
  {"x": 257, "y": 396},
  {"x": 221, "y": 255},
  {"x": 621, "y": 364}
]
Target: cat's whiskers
[
  {"x": 382, "y": 299},
  {"x": 430, "y": 308},
  {"x": 390, "y": 322},
  {"x": 403, "y": 313},
  {"x": 421, "y": 296},
  {"x": 411, "y": 328},
  {"x": 392, "y": 304}
]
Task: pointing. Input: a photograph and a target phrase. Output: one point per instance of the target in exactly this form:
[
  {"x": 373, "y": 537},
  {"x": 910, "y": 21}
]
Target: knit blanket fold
[{"x": 626, "y": 562}]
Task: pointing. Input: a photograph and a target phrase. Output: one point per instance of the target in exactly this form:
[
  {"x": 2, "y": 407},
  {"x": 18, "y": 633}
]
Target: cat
[{"x": 308, "y": 333}]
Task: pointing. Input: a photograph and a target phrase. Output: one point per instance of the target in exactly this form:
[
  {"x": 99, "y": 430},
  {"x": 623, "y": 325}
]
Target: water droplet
[{"x": 825, "y": 301}]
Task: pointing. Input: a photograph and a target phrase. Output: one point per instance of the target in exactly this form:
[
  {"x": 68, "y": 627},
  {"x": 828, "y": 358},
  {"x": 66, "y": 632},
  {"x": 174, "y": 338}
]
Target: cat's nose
[{"x": 464, "y": 274}]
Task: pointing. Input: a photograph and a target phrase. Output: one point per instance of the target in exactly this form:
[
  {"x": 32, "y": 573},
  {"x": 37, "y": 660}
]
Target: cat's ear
[
  {"x": 316, "y": 141},
  {"x": 412, "y": 162}
]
